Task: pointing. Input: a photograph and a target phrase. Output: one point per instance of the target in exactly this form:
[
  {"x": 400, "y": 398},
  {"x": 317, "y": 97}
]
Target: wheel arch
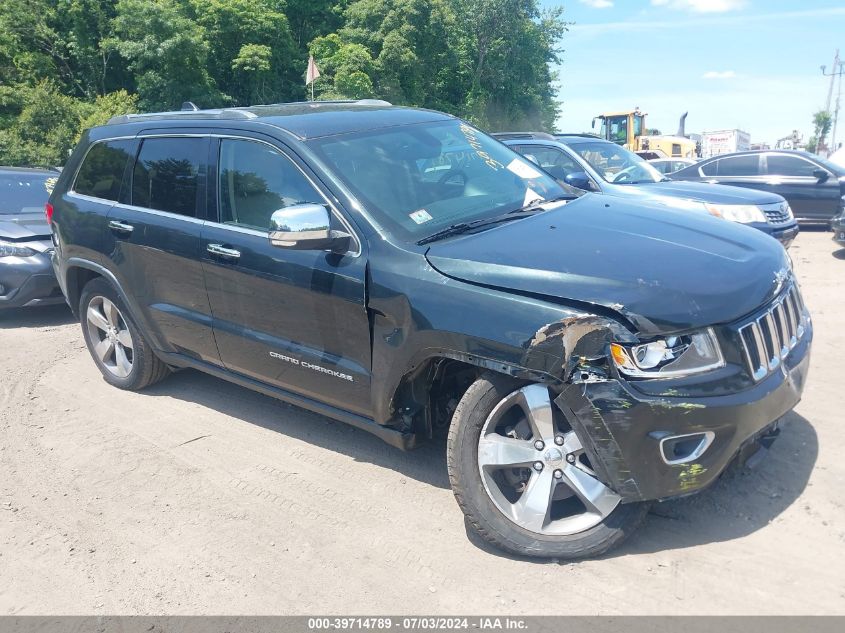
[{"x": 423, "y": 398}]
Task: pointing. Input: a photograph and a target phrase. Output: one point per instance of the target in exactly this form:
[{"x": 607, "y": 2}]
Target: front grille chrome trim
[{"x": 768, "y": 339}]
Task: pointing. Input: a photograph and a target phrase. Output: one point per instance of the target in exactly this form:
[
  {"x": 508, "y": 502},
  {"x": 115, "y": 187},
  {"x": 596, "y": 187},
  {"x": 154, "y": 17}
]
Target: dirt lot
[{"x": 198, "y": 496}]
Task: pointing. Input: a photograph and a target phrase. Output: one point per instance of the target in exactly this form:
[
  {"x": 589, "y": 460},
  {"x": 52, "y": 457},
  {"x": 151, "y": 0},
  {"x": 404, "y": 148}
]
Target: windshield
[
  {"x": 616, "y": 164},
  {"x": 418, "y": 179},
  {"x": 24, "y": 192}
]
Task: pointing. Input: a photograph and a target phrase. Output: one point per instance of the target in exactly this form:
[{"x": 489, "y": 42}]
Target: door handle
[
  {"x": 121, "y": 227},
  {"x": 222, "y": 251}
]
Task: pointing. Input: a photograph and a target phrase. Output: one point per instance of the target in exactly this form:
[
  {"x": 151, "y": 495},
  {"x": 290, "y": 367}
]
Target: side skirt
[{"x": 397, "y": 439}]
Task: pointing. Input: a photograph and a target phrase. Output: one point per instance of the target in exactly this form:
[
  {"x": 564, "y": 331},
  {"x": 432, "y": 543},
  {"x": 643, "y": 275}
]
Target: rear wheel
[
  {"x": 121, "y": 354},
  {"x": 523, "y": 479}
]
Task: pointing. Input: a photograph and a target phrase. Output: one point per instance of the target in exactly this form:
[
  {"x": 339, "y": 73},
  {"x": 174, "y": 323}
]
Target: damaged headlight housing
[
  {"x": 742, "y": 213},
  {"x": 670, "y": 357}
]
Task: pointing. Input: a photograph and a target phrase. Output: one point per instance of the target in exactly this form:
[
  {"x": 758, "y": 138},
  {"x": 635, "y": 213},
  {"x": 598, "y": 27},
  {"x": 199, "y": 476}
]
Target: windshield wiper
[
  {"x": 465, "y": 227},
  {"x": 532, "y": 208}
]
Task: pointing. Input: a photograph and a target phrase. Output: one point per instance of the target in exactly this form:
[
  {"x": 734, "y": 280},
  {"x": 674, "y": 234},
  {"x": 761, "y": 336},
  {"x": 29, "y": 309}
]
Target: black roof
[
  {"x": 32, "y": 171},
  {"x": 305, "y": 120},
  {"x": 570, "y": 139}
]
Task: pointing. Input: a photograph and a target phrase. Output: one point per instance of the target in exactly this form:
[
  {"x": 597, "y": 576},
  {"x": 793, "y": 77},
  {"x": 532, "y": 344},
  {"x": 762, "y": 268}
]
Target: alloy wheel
[
  {"x": 110, "y": 336},
  {"x": 535, "y": 469}
]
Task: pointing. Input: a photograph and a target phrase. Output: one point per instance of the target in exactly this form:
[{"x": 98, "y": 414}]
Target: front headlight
[
  {"x": 10, "y": 249},
  {"x": 669, "y": 357},
  {"x": 742, "y": 213},
  {"x": 682, "y": 203}
]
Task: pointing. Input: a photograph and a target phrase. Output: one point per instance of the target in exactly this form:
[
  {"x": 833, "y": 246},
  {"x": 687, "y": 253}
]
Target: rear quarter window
[{"x": 101, "y": 173}]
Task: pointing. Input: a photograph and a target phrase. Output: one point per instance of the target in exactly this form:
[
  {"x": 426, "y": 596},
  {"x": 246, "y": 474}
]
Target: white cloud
[
  {"x": 719, "y": 74},
  {"x": 598, "y": 4},
  {"x": 702, "y": 6}
]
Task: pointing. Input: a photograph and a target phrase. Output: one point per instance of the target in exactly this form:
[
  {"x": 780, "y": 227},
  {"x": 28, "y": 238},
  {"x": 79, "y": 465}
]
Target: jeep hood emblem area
[{"x": 664, "y": 270}]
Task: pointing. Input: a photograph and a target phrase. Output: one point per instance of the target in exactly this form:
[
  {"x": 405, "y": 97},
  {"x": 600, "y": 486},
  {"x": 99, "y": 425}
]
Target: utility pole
[{"x": 837, "y": 71}]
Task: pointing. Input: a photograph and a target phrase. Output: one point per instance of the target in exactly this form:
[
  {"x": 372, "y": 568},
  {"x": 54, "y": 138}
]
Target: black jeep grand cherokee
[{"x": 401, "y": 271}]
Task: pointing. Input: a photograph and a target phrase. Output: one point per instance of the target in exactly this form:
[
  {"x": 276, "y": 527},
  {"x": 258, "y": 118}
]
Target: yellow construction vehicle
[
  {"x": 622, "y": 128},
  {"x": 628, "y": 129}
]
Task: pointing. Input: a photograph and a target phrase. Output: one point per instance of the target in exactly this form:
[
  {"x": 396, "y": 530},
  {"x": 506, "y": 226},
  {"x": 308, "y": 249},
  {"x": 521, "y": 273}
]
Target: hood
[
  {"x": 664, "y": 270},
  {"x": 24, "y": 226},
  {"x": 699, "y": 191}
]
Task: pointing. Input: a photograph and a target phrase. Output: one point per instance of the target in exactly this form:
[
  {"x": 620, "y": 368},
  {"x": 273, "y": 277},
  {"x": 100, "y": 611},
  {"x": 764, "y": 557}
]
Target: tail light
[{"x": 48, "y": 211}]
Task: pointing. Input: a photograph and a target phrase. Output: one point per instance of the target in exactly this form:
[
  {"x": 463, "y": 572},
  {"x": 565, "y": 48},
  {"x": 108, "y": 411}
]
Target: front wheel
[{"x": 523, "y": 479}]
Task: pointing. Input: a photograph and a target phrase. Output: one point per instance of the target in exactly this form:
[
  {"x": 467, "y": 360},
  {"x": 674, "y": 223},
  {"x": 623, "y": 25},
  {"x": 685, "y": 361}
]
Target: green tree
[
  {"x": 244, "y": 73},
  {"x": 488, "y": 60},
  {"x": 822, "y": 122},
  {"x": 343, "y": 66},
  {"x": 506, "y": 49},
  {"x": 166, "y": 51},
  {"x": 252, "y": 68},
  {"x": 105, "y": 107},
  {"x": 312, "y": 18},
  {"x": 44, "y": 131}
]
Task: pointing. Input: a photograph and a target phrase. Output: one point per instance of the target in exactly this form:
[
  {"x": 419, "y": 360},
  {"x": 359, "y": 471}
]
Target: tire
[
  {"x": 501, "y": 479},
  {"x": 120, "y": 352}
]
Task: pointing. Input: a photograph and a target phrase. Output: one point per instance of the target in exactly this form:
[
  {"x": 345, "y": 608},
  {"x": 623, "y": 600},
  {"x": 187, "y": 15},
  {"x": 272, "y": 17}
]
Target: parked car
[
  {"x": 670, "y": 165},
  {"x": 813, "y": 186},
  {"x": 592, "y": 164},
  {"x": 401, "y": 271},
  {"x": 26, "y": 275}
]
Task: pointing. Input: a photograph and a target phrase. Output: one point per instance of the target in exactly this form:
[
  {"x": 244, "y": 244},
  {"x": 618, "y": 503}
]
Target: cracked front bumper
[{"x": 621, "y": 428}]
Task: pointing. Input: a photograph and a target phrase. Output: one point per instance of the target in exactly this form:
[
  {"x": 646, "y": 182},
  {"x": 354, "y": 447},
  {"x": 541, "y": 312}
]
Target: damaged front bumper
[{"x": 621, "y": 428}]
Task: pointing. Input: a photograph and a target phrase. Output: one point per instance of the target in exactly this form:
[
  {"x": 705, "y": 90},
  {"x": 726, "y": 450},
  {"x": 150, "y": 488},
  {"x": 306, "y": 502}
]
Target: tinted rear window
[
  {"x": 102, "y": 170},
  {"x": 740, "y": 166},
  {"x": 24, "y": 193},
  {"x": 166, "y": 173}
]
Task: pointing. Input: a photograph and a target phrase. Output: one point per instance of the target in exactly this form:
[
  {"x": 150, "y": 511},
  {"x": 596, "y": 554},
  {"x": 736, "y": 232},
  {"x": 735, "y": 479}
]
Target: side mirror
[
  {"x": 306, "y": 227},
  {"x": 579, "y": 180},
  {"x": 821, "y": 175}
]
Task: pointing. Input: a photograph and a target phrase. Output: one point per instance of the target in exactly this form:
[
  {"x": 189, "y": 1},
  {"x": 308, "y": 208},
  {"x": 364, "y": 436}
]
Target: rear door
[
  {"x": 792, "y": 177},
  {"x": 153, "y": 241},
  {"x": 740, "y": 171},
  {"x": 292, "y": 319}
]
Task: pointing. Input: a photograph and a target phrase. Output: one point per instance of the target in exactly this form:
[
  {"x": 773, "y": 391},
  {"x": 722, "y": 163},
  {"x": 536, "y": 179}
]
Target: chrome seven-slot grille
[
  {"x": 777, "y": 213},
  {"x": 770, "y": 337}
]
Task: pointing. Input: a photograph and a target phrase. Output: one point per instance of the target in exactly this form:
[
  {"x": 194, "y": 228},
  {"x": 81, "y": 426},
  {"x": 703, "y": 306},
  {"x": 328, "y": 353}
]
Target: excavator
[{"x": 628, "y": 129}]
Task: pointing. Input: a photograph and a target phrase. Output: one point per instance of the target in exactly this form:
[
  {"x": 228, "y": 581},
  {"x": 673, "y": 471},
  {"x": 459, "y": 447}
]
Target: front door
[
  {"x": 292, "y": 319},
  {"x": 795, "y": 178}
]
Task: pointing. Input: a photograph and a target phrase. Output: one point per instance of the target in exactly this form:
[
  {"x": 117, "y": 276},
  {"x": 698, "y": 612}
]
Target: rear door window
[
  {"x": 101, "y": 173},
  {"x": 166, "y": 174},
  {"x": 783, "y": 165},
  {"x": 740, "y": 166}
]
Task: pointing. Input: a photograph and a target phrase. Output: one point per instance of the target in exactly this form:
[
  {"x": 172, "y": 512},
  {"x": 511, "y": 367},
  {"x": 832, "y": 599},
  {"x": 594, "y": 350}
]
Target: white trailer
[{"x": 724, "y": 142}]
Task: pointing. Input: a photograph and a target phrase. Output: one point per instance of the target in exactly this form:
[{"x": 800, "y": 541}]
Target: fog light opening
[{"x": 681, "y": 449}]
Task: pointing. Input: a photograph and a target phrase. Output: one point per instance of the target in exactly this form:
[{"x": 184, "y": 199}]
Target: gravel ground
[{"x": 200, "y": 497}]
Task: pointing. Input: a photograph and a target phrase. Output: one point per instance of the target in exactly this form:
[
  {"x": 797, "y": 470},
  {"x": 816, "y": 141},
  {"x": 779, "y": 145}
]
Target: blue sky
[{"x": 748, "y": 64}]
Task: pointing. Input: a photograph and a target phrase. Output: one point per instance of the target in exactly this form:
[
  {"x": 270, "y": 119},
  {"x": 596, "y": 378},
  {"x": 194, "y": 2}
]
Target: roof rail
[
  {"x": 223, "y": 113},
  {"x": 512, "y": 136},
  {"x": 372, "y": 102},
  {"x": 581, "y": 134}
]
